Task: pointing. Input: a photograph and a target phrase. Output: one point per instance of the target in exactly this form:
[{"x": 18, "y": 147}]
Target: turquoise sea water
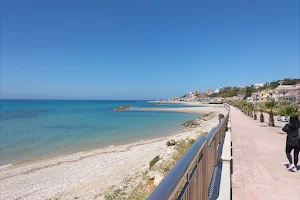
[{"x": 41, "y": 128}]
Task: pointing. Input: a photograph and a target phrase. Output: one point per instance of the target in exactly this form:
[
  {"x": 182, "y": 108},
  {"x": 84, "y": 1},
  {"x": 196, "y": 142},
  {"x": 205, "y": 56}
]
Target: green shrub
[
  {"x": 153, "y": 161},
  {"x": 192, "y": 141},
  {"x": 288, "y": 110}
]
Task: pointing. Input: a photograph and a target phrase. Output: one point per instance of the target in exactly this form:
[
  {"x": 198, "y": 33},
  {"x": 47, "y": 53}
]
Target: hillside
[{"x": 248, "y": 90}]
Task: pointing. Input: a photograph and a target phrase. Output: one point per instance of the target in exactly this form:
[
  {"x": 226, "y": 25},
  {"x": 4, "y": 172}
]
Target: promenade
[{"x": 259, "y": 160}]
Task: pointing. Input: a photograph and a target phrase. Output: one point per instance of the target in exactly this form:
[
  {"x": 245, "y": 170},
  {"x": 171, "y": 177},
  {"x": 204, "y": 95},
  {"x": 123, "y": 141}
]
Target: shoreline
[
  {"x": 121, "y": 144},
  {"x": 96, "y": 169},
  {"x": 197, "y": 110},
  {"x": 193, "y": 110},
  {"x": 187, "y": 103}
]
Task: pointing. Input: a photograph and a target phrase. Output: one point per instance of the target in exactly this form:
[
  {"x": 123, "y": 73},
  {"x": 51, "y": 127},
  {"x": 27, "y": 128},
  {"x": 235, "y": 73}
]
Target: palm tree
[
  {"x": 261, "y": 117},
  {"x": 250, "y": 109},
  {"x": 243, "y": 107},
  {"x": 270, "y": 105},
  {"x": 288, "y": 109},
  {"x": 255, "y": 110},
  {"x": 261, "y": 109},
  {"x": 247, "y": 108}
]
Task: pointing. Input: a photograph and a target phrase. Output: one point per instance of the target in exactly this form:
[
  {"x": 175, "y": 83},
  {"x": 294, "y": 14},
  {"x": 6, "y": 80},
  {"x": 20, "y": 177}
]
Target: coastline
[
  {"x": 90, "y": 172},
  {"x": 198, "y": 110}
]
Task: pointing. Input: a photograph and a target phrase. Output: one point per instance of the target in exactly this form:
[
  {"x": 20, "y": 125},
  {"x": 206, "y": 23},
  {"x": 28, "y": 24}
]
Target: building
[
  {"x": 254, "y": 98},
  {"x": 258, "y": 85},
  {"x": 249, "y": 99},
  {"x": 209, "y": 92},
  {"x": 217, "y": 91},
  {"x": 290, "y": 93},
  {"x": 266, "y": 95},
  {"x": 174, "y": 99}
]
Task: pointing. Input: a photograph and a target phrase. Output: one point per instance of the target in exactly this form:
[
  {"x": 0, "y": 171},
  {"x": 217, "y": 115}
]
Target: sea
[{"x": 37, "y": 129}]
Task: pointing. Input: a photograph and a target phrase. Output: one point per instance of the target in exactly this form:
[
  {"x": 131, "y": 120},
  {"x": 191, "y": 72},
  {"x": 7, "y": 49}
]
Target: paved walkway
[{"x": 259, "y": 160}]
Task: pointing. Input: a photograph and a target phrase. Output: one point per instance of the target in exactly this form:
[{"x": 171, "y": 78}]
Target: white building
[
  {"x": 217, "y": 91},
  {"x": 258, "y": 85}
]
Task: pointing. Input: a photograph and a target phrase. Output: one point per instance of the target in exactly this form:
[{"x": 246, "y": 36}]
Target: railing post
[{"x": 204, "y": 193}]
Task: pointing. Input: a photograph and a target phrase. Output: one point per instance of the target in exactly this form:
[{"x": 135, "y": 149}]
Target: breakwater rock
[
  {"x": 192, "y": 123},
  {"x": 197, "y": 122},
  {"x": 122, "y": 108}
]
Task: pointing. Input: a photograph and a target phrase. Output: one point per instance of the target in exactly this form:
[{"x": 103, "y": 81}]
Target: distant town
[{"x": 281, "y": 90}]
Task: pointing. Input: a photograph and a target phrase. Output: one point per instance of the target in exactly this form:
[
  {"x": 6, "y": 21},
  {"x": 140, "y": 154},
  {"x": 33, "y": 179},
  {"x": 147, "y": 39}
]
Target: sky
[{"x": 69, "y": 49}]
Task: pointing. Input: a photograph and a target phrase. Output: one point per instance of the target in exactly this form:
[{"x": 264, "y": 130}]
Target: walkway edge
[{"x": 225, "y": 184}]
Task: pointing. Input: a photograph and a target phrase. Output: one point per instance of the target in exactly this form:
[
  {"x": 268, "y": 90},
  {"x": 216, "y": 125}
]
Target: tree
[
  {"x": 270, "y": 105},
  {"x": 255, "y": 110},
  {"x": 249, "y": 91},
  {"x": 288, "y": 110},
  {"x": 261, "y": 117},
  {"x": 250, "y": 109},
  {"x": 274, "y": 84},
  {"x": 288, "y": 81}
]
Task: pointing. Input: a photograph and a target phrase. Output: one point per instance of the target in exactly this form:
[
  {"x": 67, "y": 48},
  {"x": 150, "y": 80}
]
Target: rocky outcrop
[
  {"x": 156, "y": 176},
  {"x": 192, "y": 123},
  {"x": 122, "y": 108},
  {"x": 171, "y": 142},
  {"x": 197, "y": 122}
]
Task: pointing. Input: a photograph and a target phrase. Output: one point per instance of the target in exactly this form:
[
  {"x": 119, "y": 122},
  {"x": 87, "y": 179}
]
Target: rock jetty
[
  {"x": 197, "y": 122},
  {"x": 122, "y": 108}
]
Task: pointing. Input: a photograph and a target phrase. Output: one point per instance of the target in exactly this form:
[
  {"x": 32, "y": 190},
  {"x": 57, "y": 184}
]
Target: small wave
[
  {"x": 18, "y": 112},
  {"x": 68, "y": 127},
  {"x": 5, "y": 166}
]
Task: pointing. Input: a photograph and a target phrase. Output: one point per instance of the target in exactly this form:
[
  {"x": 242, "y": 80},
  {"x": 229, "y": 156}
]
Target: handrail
[
  {"x": 210, "y": 134},
  {"x": 169, "y": 185},
  {"x": 190, "y": 177},
  {"x": 215, "y": 129}
]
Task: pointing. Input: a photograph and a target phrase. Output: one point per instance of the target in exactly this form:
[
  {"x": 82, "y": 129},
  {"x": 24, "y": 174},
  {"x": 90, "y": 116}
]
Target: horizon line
[{"x": 81, "y": 99}]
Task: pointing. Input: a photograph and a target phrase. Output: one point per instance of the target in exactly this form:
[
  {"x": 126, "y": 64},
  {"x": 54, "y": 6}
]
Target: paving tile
[{"x": 259, "y": 160}]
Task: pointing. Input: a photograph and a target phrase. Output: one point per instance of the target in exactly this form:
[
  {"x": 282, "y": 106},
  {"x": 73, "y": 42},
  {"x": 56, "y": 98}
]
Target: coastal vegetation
[
  {"x": 153, "y": 161},
  {"x": 248, "y": 90},
  {"x": 229, "y": 92},
  {"x": 159, "y": 167},
  {"x": 270, "y": 107},
  {"x": 288, "y": 110}
]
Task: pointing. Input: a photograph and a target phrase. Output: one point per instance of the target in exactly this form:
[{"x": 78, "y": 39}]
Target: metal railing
[{"x": 189, "y": 179}]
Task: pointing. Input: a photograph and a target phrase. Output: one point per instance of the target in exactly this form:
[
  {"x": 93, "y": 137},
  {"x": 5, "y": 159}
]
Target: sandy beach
[
  {"x": 199, "y": 110},
  {"x": 87, "y": 175}
]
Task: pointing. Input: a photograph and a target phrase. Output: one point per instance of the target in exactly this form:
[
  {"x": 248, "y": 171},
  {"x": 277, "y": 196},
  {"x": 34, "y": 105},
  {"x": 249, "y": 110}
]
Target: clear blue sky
[{"x": 144, "y": 49}]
